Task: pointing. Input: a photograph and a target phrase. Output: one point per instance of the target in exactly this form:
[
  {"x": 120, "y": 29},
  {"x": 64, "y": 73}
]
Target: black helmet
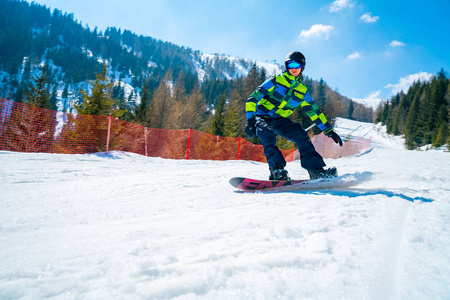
[{"x": 295, "y": 56}]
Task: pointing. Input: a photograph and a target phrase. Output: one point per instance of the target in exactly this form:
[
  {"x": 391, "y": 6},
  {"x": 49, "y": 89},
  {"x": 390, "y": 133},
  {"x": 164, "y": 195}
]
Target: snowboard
[
  {"x": 248, "y": 184},
  {"x": 340, "y": 182}
]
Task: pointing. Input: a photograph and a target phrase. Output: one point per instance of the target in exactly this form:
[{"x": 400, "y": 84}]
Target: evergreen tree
[
  {"x": 141, "y": 109},
  {"x": 422, "y": 114},
  {"x": 218, "y": 123},
  {"x": 232, "y": 120},
  {"x": 101, "y": 101},
  {"x": 442, "y": 136},
  {"x": 38, "y": 93},
  {"x": 321, "y": 94},
  {"x": 31, "y": 128},
  {"x": 441, "y": 120},
  {"x": 384, "y": 114},
  {"x": 351, "y": 109},
  {"x": 87, "y": 126},
  {"x": 54, "y": 97},
  {"x": 64, "y": 98},
  {"x": 128, "y": 107},
  {"x": 412, "y": 134}
]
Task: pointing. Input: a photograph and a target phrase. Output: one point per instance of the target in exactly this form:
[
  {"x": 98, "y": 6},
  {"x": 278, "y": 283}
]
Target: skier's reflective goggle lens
[{"x": 293, "y": 65}]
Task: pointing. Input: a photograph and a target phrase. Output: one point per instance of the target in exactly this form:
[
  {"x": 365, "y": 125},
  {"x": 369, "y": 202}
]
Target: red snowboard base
[{"x": 248, "y": 184}]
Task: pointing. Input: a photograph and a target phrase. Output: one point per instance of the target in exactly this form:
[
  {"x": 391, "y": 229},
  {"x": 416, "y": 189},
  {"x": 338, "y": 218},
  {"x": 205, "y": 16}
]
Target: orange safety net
[
  {"x": 329, "y": 149},
  {"x": 27, "y": 128}
]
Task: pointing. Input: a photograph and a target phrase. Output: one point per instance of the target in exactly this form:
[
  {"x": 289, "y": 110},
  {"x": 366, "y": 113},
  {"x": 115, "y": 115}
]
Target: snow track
[{"x": 124, "y": 226}]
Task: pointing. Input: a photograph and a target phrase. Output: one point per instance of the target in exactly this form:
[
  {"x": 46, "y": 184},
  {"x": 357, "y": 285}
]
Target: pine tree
[
  {"x": 128, "y": 107},
  {"x": 393, "y": 106},
  {"x": 321, "y": 94},
  {"x": 396, "y": 121},
  {"x": 412, "y": 135},
  {"x": 30, "y": 129},
  {"x": 434, "y": 102},
  {"x": 64, "y": 98},
  {"x": 54, "y": 97},
  {"x": 351, "y": 109},
  {"x": 384, "y": 114},
  {"x": 101, "y": 101},
  {"x": 232, "y": 120},
  {"x": 141, "y": 109},
  {"x": 441, "y": 120},
  {"x": 422, "y": 115},
  {"x": 88, "y": 126},
  {"x": 441, "y": 137},
  {"x": 38, "y": 93},
  {"x": 218, "y": 122},
  {"x": 32, "y": 126}
]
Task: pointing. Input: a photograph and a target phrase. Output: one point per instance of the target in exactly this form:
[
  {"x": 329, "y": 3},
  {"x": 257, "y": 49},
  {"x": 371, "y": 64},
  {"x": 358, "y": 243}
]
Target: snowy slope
[{"x": 124, "y": 226}]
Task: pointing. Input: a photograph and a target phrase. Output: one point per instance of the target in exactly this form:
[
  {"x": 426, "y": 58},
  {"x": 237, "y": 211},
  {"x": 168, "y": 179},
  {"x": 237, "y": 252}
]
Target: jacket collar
[{"x": 291, "y": 78}]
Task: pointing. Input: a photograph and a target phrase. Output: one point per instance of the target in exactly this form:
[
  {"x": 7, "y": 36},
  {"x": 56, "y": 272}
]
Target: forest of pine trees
[
  {"x": 422, "y": 114},
  {"x": 32, "y": 35},
  {"x": 48, "y": 58},
  {"x": 183, "y": 104}
]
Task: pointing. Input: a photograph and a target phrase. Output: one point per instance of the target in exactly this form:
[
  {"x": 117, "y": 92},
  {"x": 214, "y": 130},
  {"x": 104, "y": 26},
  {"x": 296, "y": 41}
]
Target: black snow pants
[{"x": 267, "y": 130}]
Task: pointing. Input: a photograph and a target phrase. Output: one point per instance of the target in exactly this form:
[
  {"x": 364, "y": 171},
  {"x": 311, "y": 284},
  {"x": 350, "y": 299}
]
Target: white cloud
[
  {"x": 317, "y": 30},
  {"x": 339, "y": 5},
  {"x": 405, "y": 82},
  {"x": 396, "y": 44},
  {"x": 354, "y": 55},
  {"x": 367, "y": 18}
]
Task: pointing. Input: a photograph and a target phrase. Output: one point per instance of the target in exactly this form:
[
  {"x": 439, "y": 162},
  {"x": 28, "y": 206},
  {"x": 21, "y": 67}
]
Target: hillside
[
  {"x": 34, "y": 36},
  {"x": 124, "y": 226},
  {"x": 36, "y": 41}
]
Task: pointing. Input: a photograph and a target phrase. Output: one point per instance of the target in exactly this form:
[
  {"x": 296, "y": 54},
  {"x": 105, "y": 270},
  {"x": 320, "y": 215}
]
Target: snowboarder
[{"x": 267, "y": 110}]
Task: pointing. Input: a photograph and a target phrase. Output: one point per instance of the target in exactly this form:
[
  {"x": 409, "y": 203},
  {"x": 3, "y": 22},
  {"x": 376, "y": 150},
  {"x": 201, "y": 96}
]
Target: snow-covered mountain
[
  {"x": 124, "y": 226},
  {"x": 370, "y": 102},
  {"x": 231, "y": 67}
]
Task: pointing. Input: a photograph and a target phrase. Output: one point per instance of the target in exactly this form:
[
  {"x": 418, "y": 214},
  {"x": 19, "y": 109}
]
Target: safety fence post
[
  {"x": 109, "y": 134},
  {"x": 293, "y": 149},
  {"x": 189, "y": 144},
  {"x": 239, "y": 149},
  {"x": 145, "y": 141}
]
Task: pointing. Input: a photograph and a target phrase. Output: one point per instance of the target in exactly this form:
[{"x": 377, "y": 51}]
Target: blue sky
[{"x": 364, "y": 49}]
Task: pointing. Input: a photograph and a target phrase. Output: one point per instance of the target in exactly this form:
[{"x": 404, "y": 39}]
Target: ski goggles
[{"x": 293, "y": 64}]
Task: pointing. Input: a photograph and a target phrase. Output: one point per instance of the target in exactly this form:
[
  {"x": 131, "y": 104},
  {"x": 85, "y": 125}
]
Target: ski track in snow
[{"x": 124, "y": 226}]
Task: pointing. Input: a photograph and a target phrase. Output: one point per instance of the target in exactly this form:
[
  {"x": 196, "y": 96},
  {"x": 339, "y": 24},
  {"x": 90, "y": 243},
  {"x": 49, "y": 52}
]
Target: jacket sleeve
[
  {"x": 261, "y": 91},
  {"x": 312, "y": 110}
]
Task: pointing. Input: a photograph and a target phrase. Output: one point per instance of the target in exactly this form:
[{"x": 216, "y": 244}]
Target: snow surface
[{"x": 124, "y": 226}]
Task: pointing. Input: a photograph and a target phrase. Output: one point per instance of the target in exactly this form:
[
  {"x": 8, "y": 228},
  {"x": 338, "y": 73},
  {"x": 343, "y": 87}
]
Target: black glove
[
  {"x": 250, "y": 128},
  {"x": 336, "y": 138}
]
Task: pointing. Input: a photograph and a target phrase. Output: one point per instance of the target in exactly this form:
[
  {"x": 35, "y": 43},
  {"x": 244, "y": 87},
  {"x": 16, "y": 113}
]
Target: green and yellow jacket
[{"x": 279, "y": 96}]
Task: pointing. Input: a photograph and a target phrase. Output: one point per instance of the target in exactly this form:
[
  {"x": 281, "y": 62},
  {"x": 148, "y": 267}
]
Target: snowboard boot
[
  {"x": 278, "y": 174},
  {"x": 323, "y": 173}
]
